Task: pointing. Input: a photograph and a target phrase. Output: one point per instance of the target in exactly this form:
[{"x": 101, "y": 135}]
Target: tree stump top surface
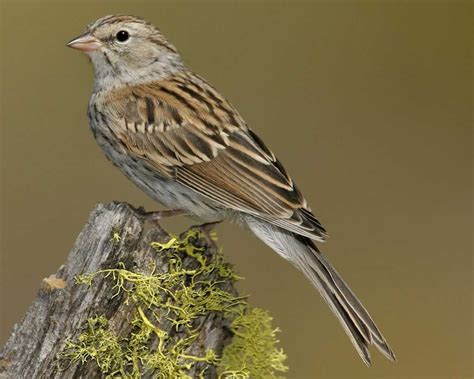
[{"x": 114, "y": 235}]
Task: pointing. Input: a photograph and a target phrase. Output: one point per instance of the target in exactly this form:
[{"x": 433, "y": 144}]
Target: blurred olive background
[{"x": 368, "y": 104}]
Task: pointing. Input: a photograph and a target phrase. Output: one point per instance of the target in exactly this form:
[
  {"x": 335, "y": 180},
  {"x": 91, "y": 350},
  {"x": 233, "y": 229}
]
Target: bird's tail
[{"x": 352, "y": 315}]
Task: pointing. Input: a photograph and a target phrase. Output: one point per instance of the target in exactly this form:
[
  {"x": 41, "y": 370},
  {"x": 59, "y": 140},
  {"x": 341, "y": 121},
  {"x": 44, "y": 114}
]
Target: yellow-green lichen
[
  {"x": 116, "y": 237},
  {"x": 253, "y": 352},
  {"x": 98, "y": 343},
  {"x": 178, "y": 296}
]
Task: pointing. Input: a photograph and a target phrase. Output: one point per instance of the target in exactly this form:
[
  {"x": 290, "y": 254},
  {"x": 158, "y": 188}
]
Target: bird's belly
[
  {"x": 167, "y": 192},
  {"x": 173, "y": 195}
]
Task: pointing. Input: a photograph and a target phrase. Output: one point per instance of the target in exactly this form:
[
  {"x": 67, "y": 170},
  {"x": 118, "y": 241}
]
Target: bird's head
[{"x": 127, "y": 50}]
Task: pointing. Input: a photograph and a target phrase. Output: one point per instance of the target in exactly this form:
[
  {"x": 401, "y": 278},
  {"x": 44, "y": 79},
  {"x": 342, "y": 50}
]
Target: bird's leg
[
  {"x": 158, "y": 215},
  {"x": 154, "y": 216}
]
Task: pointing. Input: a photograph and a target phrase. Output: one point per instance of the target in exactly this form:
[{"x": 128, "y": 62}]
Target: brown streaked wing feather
[{"x": 190, "y": 133}]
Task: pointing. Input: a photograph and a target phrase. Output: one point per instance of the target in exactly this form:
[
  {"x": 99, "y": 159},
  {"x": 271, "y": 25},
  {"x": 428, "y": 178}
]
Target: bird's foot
[
  {"x": 158, "y": 215},
  {"x": 155, "y": 216}
]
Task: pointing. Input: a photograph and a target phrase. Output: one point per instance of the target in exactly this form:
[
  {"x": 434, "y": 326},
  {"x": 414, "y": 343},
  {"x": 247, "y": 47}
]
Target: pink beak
[{"x": 85, "y": 43}]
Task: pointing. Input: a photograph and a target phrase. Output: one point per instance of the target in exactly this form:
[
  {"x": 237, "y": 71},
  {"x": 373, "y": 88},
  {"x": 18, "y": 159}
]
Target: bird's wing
[{"x": 188, "y": 132}]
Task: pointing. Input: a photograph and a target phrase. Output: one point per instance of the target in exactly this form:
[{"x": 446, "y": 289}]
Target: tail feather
[
  {"x": 304, "y": 254},
  {"x": 351, "y": 313},
  {"x": 358, "y": 339},
  {"x": 353, "y": 302}
]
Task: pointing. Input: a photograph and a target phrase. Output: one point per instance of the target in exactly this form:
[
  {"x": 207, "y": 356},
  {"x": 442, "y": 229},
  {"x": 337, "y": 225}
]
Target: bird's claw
[{"x": 154, "y": 216}]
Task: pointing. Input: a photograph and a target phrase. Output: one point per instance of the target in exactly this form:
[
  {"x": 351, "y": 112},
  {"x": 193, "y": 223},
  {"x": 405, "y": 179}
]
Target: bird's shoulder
[{"x": 180, "y": 100}]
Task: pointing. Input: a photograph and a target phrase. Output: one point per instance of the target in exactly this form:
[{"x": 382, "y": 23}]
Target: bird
[{"x": 186, "y": 146}]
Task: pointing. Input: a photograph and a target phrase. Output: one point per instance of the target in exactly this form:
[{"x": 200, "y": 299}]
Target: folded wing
[{"x": 188, "y": 132}]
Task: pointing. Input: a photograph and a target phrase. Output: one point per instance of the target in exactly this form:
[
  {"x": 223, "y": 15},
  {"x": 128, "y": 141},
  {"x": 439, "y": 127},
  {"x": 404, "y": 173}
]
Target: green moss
[{"x": 179, "y": 296}]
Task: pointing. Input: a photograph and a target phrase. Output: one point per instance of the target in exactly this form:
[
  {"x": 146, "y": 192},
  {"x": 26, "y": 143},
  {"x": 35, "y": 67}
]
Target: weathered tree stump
[{"x": 114, "y": 236}]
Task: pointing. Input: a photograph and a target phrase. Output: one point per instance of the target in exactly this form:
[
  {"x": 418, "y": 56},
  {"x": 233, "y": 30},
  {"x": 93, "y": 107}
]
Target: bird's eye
[{"x": 122, "y": 36}]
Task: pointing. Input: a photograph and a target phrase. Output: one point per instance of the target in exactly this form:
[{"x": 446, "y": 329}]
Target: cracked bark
[{"x": 61, "y": 307}]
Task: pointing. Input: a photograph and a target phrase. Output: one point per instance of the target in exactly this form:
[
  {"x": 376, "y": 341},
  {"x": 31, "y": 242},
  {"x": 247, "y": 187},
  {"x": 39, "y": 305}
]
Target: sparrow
[{"x": 180, "y": 141}]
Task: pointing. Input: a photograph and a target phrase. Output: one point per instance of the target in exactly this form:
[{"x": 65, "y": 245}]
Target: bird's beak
[{"x": 85, "y": 43}]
